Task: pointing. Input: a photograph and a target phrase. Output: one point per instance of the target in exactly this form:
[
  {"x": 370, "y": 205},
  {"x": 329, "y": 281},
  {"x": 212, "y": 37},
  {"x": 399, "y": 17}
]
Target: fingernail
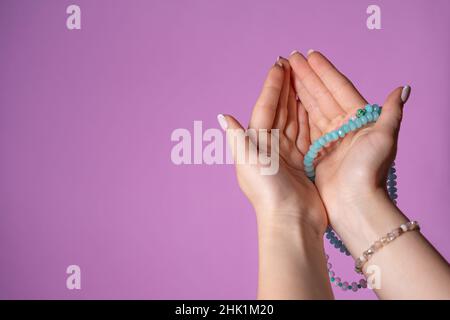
[
  {"x": 405, "y": 93},
  {"x": 222, "y": 121},
  {"x": 294, "y": 52},
  {"x": 278, "y": 63},
  {"x": 309, "y": 52}
]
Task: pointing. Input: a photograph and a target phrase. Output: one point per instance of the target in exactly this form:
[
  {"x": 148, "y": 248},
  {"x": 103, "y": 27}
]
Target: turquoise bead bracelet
[{"x": 370, "y": 113}]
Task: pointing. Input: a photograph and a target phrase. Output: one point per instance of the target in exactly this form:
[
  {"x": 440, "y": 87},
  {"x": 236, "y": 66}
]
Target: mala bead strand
[
  {"x": 370, "y": 113},
  {"x": 344, "y": 285},
  {"x": 391, "y": 183},
  {"x": 335, "y": 241}
]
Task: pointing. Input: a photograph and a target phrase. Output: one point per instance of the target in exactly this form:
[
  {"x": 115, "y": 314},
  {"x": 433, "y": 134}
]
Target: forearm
[
  {"x": 292, "y": 262},
  {"x": 409, "y": 267}
]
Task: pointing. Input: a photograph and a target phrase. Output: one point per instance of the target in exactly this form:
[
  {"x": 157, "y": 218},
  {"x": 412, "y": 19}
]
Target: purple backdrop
[{"x": 86, "y": 117}]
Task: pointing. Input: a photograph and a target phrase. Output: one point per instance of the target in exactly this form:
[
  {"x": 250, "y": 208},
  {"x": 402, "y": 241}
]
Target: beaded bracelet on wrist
[{"x": 383, "y": 241}]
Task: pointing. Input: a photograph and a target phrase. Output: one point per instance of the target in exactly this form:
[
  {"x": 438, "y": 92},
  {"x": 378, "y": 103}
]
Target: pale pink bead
[
  {"x": 336, "y": 281},
  {"x": 397, "y": 232},
  {"x": 345, "y": 286},
  {"x": 377, "y": 245},
  {"x": 354, "y": 286},
  {"x": 391, "y": 236}
]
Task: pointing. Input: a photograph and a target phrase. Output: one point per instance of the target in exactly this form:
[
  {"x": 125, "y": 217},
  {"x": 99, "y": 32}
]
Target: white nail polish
[
  {"x": 293, "y": 52},
  {"x": 222, "y": 121},
  {"x": 309, "y": 52},
  {"x": 405, "y": 93}
]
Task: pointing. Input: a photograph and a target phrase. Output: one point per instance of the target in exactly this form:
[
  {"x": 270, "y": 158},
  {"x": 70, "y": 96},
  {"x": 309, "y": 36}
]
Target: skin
[
  {"x": 292, "y": 213},
  {"x": 351, "y": 176}
]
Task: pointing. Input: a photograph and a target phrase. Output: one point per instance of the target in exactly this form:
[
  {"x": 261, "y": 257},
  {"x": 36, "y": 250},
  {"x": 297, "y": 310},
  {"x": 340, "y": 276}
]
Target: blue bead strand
[
  {"x": 365, "y": 116},
  {"x": 391, "y": 183},
  {"x": 335, "y": 241},
  {"x": 370, "y": 113},
  {"x": 344, "y": 285}
]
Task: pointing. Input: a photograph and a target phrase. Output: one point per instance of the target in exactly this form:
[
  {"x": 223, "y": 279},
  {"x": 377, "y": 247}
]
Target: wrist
[
  {"x": 291, "y": 259},
  {"x": 296, "y": 223},
  {"x": 359, "y": 222}
]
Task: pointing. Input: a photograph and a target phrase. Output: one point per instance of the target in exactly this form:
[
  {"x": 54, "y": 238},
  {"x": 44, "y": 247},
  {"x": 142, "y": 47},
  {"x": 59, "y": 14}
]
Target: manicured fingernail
[
  {"x": 405, "y": 93},
  {"x": 279, "y": 61},
  {"x": 294, "y": 52},
  {"x": 222, "y": 121},
  {"x": 310, "y": 51}
]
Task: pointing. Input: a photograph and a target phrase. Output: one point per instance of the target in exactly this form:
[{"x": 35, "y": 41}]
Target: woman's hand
[
  {"x": 286, "y": 192},
  {"x": 290, "y": 214},
  {"x": 351, "y": 178},
  {"x": 351, "y": 171}
]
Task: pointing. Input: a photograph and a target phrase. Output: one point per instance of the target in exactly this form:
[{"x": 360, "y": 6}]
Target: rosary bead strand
[
  {"x": 344, "y": 285},
  {"x": 368, "y": 114}
]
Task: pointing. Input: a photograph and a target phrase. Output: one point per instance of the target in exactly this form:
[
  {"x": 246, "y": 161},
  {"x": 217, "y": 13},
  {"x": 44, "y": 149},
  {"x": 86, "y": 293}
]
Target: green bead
[
  {"x": 340, "y": 284},
  {"x": 332, "y": 279},
  {"x": 360, "y": 112}
]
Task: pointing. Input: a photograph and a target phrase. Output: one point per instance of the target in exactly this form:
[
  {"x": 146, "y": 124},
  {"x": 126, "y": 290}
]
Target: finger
[
  {"x": 315, "y": 132},
  {"x": 303, "y": 139},
  {"x": 282, "y": 108},
  {"x": 391, "y": 115},
  {"x": 315, "y": 114},
  {"x": 265, "y": 109},
  {"x": 305, "y": 74},
  {"x": 237, "y": 138},
  {"x": 342, "y": 90},
  {"x": 291, "y": 128}
]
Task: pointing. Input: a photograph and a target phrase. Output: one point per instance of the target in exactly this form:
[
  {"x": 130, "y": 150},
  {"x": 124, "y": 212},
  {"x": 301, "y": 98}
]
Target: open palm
[
  {"x": 359, "y": 162},
  {"x": 288, "y": 191}
]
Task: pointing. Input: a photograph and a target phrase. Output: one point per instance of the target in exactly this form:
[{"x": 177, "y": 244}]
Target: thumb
[
  {"x": 391, "y": 115},
  {"x": 228, "y": 122},
  {"x": 236, "y": 136}
]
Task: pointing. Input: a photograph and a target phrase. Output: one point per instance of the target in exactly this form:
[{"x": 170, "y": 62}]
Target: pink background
[{"x": 86, "y": 117}]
